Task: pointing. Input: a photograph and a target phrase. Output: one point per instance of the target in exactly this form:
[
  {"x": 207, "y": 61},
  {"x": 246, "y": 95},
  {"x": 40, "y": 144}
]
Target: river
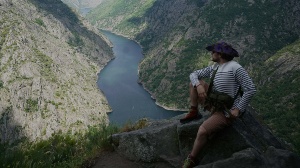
[{"x": 118, "y": 81}]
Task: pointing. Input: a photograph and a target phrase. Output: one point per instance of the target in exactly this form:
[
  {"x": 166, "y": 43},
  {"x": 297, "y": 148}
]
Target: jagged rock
[
  {"x": 247, "y": 143},
  {"x": 249, "y": 158}
]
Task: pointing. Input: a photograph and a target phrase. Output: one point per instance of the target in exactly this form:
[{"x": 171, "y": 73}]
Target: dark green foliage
[
  {"x": 76, "y": 41},
  {"x": 278, "y": 104},
  {"x": 1, "y": 84},
  {"x": 5, "y": 116},
  {"x": 277, "y": 99},
  {"x": 59, "y": 151}
]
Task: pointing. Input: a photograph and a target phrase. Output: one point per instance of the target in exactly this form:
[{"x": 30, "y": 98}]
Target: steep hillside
[
  {"x": 48, "y": 69},
  {"x": 278, "y": 99},
  {"x": 125, "y": 17},
  {"x": 175, "y": 33}
]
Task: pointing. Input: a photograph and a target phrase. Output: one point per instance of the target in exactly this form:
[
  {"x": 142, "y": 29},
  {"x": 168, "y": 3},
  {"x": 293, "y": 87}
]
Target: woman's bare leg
[{"x": 200, "y": 141}]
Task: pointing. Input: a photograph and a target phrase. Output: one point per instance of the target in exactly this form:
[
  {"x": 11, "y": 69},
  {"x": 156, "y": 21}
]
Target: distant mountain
[
  {"x": 174, "y": 34},
  {"x": 49, "y": 61},
  {"x": 82, "y": 6}
]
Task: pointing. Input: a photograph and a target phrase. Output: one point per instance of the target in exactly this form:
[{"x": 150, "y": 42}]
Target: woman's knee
[{"x": 202, "y": 131}]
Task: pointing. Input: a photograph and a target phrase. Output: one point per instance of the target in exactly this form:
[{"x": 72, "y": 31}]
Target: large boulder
[
  {"x": 157, "y": 142},
  {"x": 247, "y": 143}
]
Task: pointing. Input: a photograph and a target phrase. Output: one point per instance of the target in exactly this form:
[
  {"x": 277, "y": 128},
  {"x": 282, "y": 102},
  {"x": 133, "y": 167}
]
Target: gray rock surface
[{"x": 247, "y": 143}]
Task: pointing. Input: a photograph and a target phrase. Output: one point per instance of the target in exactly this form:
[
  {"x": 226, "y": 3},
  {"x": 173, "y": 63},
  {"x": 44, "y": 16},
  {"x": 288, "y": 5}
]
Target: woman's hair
[{"x": 227, "y": 56}]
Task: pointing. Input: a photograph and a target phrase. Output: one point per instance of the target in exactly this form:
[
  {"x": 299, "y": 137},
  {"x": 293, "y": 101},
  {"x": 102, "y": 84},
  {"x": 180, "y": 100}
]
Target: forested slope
[{"x": 174, "y": 35}]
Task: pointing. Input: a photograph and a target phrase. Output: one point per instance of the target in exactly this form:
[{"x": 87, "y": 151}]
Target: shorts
[{"x": 216, "y": 122}]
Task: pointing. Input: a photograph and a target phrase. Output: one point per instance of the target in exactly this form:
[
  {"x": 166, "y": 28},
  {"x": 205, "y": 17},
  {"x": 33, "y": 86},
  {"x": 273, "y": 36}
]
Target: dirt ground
[{"x": 111, "y": 159}]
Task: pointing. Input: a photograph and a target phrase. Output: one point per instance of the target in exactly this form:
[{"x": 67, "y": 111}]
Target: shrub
[
  {"x": 1, "y": 84},
  {"x": 40, "y": 22},
  {"x": 31, "y": 105}
]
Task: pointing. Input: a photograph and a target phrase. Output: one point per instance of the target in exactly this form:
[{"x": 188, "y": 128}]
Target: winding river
[{"x": 118, "y": 80}]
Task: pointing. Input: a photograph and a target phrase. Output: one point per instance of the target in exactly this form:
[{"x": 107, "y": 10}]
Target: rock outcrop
[{"x": 247, "y": 143}]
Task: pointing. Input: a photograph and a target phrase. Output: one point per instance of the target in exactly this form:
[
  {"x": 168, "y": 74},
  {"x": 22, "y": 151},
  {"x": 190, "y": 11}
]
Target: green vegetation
[
  {"x": 3, "y": 34},
  {"x": 40, "y": 22},
  {"x": 31, "y": 105},
  {"x": 76, "y": 41},
  {"x": 113, "y": 8},
  {"x": 45, "y": 63},
  {"x": 58, "y": 151},
  {"x": 260, "y": 29},
  {"x": 63, "y": 150},
  {"x": 277, "y": 101},
  {"x": 5, "y": 114},
  {"x": 280, "y": 108},
  {"x": 132, "y": 11},
  {"x": 1, "y": 84},
  {"x": 129, "y": 126}
]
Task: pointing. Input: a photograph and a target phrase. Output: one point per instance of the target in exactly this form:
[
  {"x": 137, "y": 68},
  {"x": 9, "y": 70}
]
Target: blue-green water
[{"x": 118, "y": 81}]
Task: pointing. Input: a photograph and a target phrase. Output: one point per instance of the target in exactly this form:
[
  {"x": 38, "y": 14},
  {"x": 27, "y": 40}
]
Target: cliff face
[{"x": 48, "y": 71}]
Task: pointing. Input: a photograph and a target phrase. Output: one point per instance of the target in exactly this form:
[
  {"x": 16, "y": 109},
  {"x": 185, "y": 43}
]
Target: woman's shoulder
[{"x": 234, "y": 65}]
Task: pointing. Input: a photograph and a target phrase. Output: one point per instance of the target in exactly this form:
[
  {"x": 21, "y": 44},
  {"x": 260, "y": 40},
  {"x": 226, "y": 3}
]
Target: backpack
[{"x": 218, "y": 101}]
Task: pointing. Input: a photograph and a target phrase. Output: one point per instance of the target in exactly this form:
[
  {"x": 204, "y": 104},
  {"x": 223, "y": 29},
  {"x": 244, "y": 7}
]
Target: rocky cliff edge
[{"x": 247, "y": 143}]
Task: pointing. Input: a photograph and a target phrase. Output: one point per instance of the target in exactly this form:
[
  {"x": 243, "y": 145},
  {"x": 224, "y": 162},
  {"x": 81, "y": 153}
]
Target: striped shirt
[{"x": 229, "y": 77}]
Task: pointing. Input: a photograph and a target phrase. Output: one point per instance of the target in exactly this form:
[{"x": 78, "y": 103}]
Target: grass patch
[
  {"x": 40, "y": 22},
  {"x": 129, "y": 126},
  {"x": 31, "y": 105},
  {"x": 60, "y": 150}
]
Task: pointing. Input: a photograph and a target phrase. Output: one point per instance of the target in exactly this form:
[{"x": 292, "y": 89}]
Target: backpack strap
[
  {"x": 212, "y": 81},
  {"x": 240, "y": 92},
  {"x": 210, "y": 88}
]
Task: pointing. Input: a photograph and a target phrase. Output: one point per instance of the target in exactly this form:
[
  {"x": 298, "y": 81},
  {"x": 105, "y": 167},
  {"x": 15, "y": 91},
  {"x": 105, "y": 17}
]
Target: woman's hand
[
  {"x": 201, "y": 92},
  {"x": 235, "y": 112}
]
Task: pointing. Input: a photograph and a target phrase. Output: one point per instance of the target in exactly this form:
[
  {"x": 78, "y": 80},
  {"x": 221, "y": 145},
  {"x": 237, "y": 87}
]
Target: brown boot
[
  {"x": 191, "y": 115},
  {"x": 190, "y": 162}
]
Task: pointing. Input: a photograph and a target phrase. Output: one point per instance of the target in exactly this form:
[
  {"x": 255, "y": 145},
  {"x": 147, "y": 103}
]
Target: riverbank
[
  {"x": 119, "y": 82},
  {"x": 139, "y": 81},
  {"x": 157, "y": 103}
]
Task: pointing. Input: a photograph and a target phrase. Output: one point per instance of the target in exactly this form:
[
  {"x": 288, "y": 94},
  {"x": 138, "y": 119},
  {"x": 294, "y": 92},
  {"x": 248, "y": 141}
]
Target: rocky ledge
[{"x": 247, "y": 143}]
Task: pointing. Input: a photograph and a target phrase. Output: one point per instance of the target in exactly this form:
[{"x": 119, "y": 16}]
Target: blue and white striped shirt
[{"x": 229, "y": 77}]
